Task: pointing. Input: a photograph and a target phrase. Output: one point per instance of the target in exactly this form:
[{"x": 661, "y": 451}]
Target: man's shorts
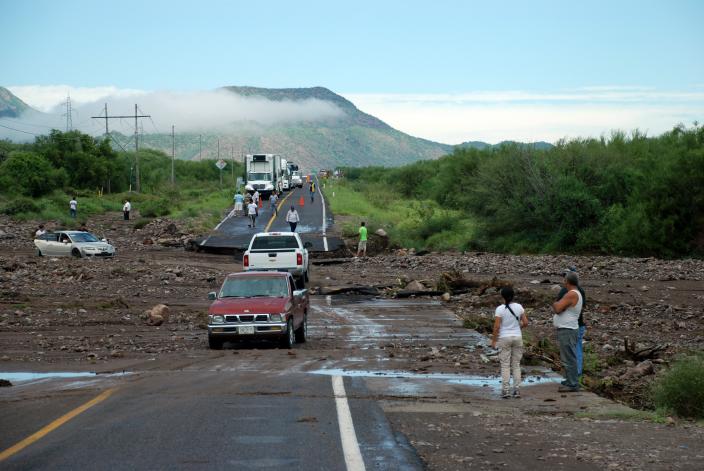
[{"x": 362, "y": 245}]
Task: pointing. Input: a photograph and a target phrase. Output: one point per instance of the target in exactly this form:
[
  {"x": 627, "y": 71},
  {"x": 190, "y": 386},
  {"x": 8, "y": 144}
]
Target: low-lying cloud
[{"x": 187, "y": 111}]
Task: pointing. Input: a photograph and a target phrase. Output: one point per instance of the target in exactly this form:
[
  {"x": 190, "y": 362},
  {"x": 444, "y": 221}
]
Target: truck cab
[{"x": 263, "y": 173}]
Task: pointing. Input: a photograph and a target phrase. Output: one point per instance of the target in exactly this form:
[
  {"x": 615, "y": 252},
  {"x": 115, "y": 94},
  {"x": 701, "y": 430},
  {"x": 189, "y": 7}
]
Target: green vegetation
[
  {"x": 681, "y": 388},
  {"x": 410, "y": 222},
  {"x": 37, "y": 180},
  {"x": 631, "y": 195}
]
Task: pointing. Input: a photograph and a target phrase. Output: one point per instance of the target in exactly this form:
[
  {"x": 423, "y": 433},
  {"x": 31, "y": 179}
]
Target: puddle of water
[
  {"x": 19, "y": 376},
  {"x": 493, "y": 382},
  {"x": 29, "y": 376}
]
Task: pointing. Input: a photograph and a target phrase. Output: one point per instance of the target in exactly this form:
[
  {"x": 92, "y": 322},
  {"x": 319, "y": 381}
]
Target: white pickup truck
[{"x": 278, "y": 251}]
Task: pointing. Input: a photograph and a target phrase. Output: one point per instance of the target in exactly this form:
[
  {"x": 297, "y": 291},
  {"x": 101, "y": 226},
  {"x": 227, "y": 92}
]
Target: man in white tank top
[{"x": 565, "y": 320}]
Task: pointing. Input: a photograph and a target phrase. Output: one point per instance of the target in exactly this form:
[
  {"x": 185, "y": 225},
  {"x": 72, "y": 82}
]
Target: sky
[{"x": 450, "y": 71}]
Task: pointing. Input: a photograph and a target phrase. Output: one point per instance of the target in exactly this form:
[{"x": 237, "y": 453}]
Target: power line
[{"x": 19, "y": 130}]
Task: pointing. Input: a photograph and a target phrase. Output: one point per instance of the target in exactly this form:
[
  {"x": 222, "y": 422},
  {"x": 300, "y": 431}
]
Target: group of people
[
  {"x": 73, "y": 208},
  {"x": 249, "y": 204},
  {"x": 568, "y": 320}
]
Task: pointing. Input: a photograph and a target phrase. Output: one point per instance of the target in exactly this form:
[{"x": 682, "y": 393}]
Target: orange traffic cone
[
  {"x": 260, "y": 202},
  {"x": 302, "y": 201}
]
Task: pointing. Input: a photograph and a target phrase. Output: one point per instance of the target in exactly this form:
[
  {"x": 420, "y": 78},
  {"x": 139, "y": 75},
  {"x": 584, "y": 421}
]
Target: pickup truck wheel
[
  {"x": 305, "y": 276},
  {"x": 302, "y": 331},
  {"x": 76, "y": 253},
  {"x": 300, "y": 282},
  {"x": 214, "y": 344},
  {"x": 289, "y": 339}
]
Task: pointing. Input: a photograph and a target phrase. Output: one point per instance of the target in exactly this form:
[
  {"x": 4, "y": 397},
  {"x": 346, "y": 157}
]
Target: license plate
[{"x": 246, "y": 329}]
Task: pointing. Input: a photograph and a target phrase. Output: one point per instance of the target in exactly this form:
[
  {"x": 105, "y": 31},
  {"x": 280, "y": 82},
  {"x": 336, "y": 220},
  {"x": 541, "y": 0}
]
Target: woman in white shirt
[{"x": 510, "y": 317}]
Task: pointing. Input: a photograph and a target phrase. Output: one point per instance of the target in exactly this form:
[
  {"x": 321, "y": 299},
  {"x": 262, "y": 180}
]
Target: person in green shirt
[{"x": 362, "y": 247}]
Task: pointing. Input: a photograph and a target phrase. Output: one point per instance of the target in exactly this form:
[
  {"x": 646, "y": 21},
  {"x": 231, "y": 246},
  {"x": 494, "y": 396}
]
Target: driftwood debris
[
  {"x": 646, "y": 353},
  {"x": 409, "y": 293}
]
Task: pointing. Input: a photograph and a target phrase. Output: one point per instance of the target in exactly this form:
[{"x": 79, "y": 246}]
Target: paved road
[{"x": 316, "y": 221}]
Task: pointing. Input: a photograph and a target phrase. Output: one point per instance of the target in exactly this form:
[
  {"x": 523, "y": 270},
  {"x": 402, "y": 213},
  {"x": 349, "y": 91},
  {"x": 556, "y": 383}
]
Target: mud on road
[{"x": 89, "y": 315}]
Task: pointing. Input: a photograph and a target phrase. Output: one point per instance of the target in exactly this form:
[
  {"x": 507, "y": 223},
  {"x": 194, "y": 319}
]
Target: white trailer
[{"x": 263, "y": 173}]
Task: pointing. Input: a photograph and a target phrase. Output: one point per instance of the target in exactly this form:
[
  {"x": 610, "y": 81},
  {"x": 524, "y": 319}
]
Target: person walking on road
[
  {"x": 509, "y": 318},
  {"x": 255, "y": 197},
  {"x": 252, "y": 212},
  {"x": 272, "y": 202},
  {"x": 580, "y": 321},
  {"x": 126, "y": 210},
  {"x": 566, "y": 321},
  {"x": 73, "y": 207},
  {"x": 292, "y": 218},
  {"x": 312, "y": 192},
  {"x": 239, "y": 202},
  {"x": 362, "y": 246}
]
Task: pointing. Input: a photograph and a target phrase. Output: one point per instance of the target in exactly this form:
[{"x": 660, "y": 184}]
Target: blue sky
[{"x": 383, "y": 55}]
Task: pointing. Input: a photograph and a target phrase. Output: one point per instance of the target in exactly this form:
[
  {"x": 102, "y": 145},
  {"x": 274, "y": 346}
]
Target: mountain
[
  {"x": 10, "y": 105},
  {"x": 540, "y": 145},
  {"x": 354, "y": 139}
]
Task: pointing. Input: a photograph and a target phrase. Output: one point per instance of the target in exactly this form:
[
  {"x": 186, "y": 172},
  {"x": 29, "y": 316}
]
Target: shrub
[
  {"x": 141, "y": 223},
  {"x": 155, "y": 208},
  {"x": 681, "y": 388},
  {"x": 20, "y": 205}
]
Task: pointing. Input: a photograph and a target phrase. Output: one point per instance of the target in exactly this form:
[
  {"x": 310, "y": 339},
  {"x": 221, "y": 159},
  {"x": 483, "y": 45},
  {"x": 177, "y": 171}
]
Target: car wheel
[
  {"x": 214, "y": 343},
  {"x": 300, "y": 282},
  {"x": 76, "y": 253},
  {"x": 289, "y": 339},
  {"x": 302, "y": 331}
]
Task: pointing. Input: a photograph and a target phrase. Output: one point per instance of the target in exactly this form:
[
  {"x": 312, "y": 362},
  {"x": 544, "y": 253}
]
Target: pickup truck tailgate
[{"x": 273, "y": 259}]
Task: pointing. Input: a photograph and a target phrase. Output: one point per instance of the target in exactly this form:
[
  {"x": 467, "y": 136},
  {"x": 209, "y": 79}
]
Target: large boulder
[
  {"x": 157, "y": 315},
  {"x": 415, "y": 285}
]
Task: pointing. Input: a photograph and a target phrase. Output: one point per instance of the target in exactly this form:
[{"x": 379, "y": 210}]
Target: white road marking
[
  {"x": 322, "y": 200},
  {"x": 350, "y": 446},
  {"x": 230, "y": 214}
]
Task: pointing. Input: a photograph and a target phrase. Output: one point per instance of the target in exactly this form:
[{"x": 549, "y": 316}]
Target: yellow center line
[
  {"x": 273, "y": 216},
  {"x": 55, "y": 424}
]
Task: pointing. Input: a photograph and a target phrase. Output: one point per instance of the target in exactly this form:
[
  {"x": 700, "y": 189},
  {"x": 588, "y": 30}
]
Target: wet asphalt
[{"x": 233, "y": 232}]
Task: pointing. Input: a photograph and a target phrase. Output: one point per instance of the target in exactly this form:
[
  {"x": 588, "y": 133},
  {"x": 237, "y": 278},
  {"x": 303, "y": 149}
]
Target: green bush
[
  {"x": 20, "y": 205},
  {"x": 155, "y": 208},
  {"x": 141, "y": 223},
  {"x": 681, "y": 388}
]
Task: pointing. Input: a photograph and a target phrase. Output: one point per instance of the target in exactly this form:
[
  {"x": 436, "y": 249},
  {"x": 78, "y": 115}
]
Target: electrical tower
[
  {"x": 136, "y": 116},
  {"x": 68, "y": 113}
]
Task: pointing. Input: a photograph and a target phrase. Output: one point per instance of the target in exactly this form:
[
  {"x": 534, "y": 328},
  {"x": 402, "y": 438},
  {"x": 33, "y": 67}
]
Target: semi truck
[{"x": 264, "y": 173}]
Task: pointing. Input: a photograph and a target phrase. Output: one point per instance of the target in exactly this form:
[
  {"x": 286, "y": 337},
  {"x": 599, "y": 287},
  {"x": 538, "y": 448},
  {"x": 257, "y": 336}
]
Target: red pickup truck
[{"x": 258, "y": 305}]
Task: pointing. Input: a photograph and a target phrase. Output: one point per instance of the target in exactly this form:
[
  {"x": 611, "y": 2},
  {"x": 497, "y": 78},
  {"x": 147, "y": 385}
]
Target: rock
[
  {"x": 415, "y": 285},
  {"x": 157, "y": 315},
  {"x": 535, "y": 282},
  {"x": 5, "y": 358},
  {"x": 381, "y": 232},
  {"x": 446, "y": 297},
  {"x": 5, "y": 383},
  {"x": 643, "y": 368}
]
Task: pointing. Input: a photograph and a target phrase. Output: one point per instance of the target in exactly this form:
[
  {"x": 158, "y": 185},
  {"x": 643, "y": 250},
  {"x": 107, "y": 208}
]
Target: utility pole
[
  {"x": 136, "y": 138},
  {"x": 173, "y": 154},
  {"x": 200, "y": 147},
  {"x": 219, "y": 161},
  {"x": 232, "y": 149},
  {"x": 107, "y": 132}
]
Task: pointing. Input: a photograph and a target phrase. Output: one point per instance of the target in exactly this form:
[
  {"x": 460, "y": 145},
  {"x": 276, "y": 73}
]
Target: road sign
[{"x": 221, "y": 164}]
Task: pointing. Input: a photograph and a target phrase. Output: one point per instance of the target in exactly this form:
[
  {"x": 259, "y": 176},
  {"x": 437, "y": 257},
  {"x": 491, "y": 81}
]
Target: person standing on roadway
[
  {"x": 252, "y": 213},
  {"x": 292, "y": 218},
  {"x": 255, "y": 197},
  {"x": 272, "y": 202},
  {"x": 239, "y": 202},
  {"x": 312, "y": 192},
  {"x": 509, "y": 318},
  {"x": 362, "y": 247}
]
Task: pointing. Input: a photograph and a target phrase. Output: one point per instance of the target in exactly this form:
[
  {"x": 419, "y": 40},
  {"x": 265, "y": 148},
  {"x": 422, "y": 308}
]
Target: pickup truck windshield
[
  {"x": 84, "y": 237},
  {"x": 255, "y": 287},
  {"x": 274, "y": 243},
  {"x": 259, "y": 176}
]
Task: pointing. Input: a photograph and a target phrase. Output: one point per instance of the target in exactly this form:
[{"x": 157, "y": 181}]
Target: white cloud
[
  {"x": 188, "y": 111},
  {"x": 530, "y": 116}
]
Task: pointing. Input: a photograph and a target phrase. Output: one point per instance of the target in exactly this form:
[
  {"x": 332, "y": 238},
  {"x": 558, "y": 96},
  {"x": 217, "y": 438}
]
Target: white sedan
[{"x": 73, "y": 243}]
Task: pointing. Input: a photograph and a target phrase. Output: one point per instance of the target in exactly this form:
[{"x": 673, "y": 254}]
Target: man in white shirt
[
  {"x": 292, "y": 218},
  {"x": 255, "y": 197},
  {"x": 73, "y": 207},
  {"x": 40, "y": 231},
  {"x": 566, "y": 321},
  {"x": 252, "y": 213},
  {"x": 126, "y": 210}
]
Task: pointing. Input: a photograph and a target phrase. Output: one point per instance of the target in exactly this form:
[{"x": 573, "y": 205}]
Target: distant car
[
  {"x": 258, "y": 305},
  {"x": 296, "y": 180},
  {"x": 72, "y": 243},
  {"x": 278, "y": 251}
]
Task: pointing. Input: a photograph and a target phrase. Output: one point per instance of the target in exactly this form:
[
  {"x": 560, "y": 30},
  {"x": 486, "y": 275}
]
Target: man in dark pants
[
  {"x": 580, "y": 321},
  {"x": 565, "y": 320}
]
